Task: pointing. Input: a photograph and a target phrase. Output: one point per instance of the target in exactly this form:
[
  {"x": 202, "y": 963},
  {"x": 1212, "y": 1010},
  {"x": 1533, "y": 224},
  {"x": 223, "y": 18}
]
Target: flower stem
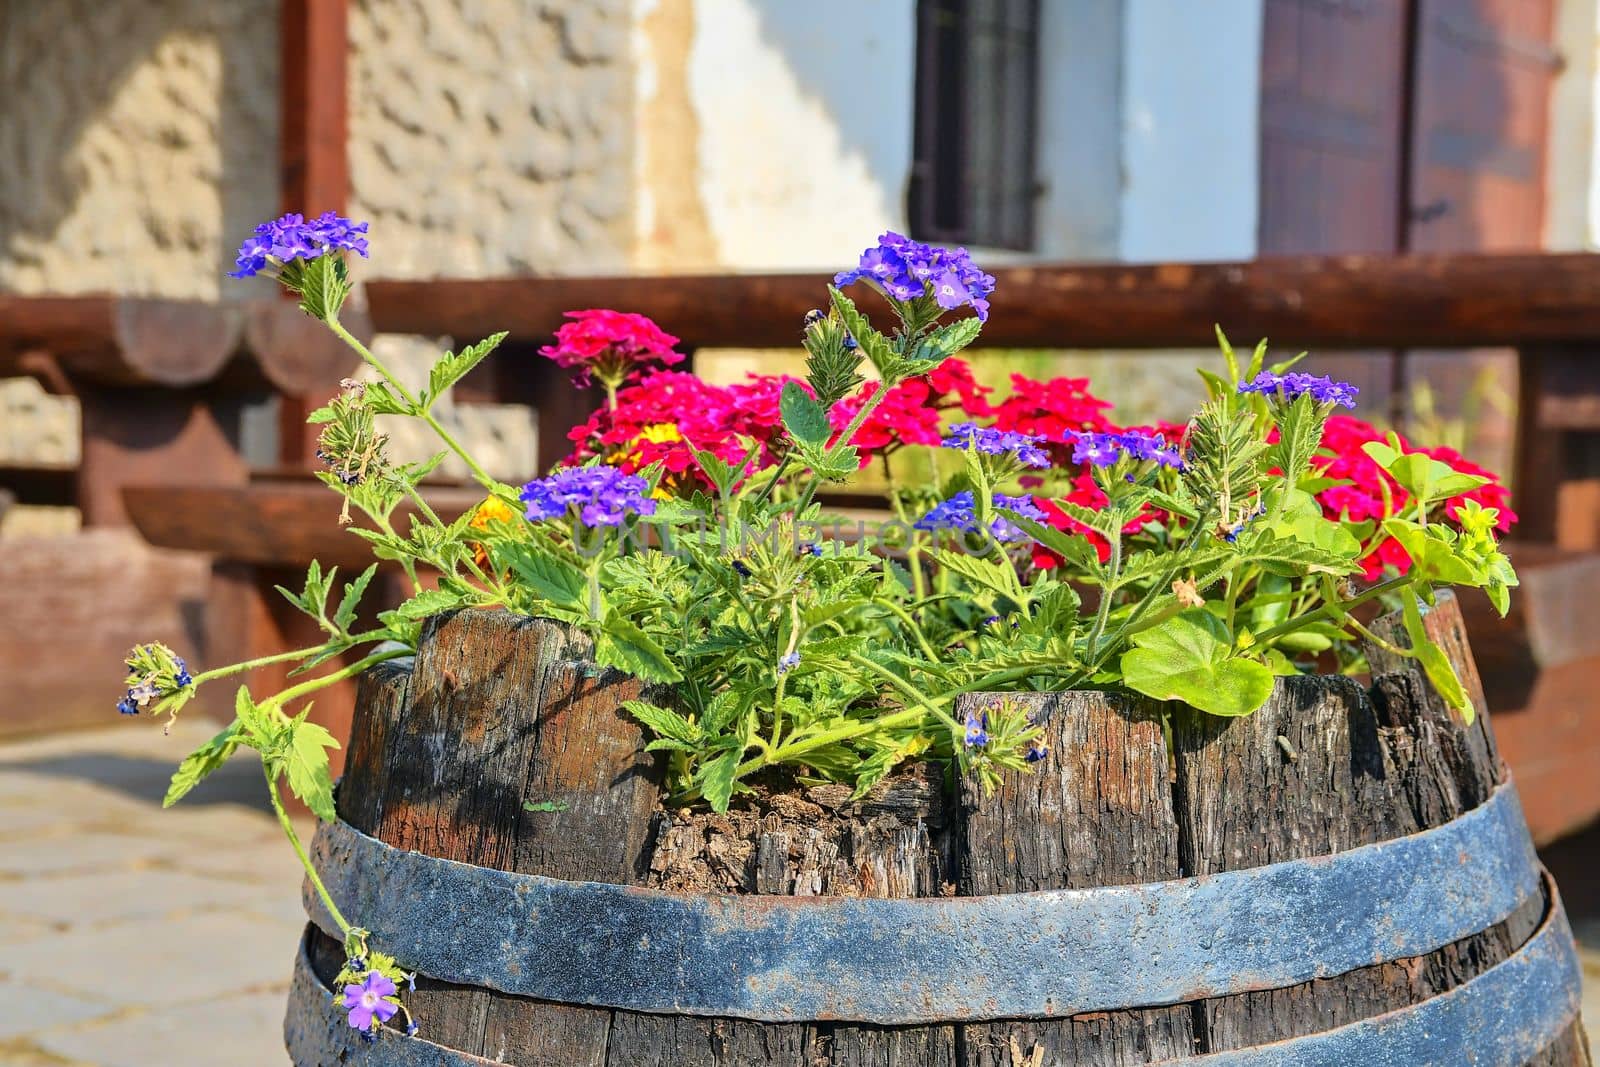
[
  {"x": 444, "y": 435},
  {"x": 279, "y": 657},
  {"x": 322, "y": 682},
  {"x": 1390, "y": 586},
  {"x": 300, "y": 851}
]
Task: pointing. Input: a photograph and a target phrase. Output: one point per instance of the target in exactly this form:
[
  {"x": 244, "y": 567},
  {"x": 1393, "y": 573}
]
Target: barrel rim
[{"x": 1045, "y": 954}]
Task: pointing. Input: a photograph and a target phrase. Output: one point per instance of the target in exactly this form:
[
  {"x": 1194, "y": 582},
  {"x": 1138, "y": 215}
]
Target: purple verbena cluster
[
  {"x": 960, "y": 513},
  {"x": 292, "y": 237},
  {"x": 603, "y": 496},
  {"x": 992, "y": 442},
  {"x": 1106, "y": 449},
  {"x": 908, "y": 270},
  {"x": 1323, "y": 390}
]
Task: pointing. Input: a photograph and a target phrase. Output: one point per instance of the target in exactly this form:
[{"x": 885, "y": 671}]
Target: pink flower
[{"x": 612, "y": 346}]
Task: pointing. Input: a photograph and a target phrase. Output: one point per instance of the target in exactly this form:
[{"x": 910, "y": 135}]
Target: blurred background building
[{"x": 496, "y": 137}]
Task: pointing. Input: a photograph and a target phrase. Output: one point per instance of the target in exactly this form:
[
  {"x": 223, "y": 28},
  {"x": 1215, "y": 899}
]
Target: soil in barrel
[{"x": 500, "y": 711}]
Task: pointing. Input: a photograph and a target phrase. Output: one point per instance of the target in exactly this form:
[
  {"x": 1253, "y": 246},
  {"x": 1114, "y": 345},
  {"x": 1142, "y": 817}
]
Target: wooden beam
[
  {"x": 314, "y": 160},
  {"x": 268, "y": 522},
  {"x": 1358, "y": 301},
  {"x": 314, "y": 48}
]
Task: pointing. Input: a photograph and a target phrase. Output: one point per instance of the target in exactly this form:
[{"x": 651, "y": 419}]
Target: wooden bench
[{"x": 164, "y": 388}]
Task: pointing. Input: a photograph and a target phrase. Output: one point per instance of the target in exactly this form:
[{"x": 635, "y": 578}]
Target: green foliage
[
  {"x": 452, "y": 367},
  {"x": 1190, "y": 658}
]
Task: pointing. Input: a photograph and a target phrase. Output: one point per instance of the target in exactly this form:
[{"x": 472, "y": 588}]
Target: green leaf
[
  {"x": 1422, "y": 476},
  {"x": 383, "y": 401},
  {"x": 201, "y": 762},
  {"x": 996, "y": 574},
  {"x": 624, "y": 646},
  {"x": 1433, "y": 560},
  {"x": 947, "y": 340},
  {"x": 879, "y": 352},
  {"x": 346, "y": 613},
  {"x": 550, "y": 577},
  {"x": 1435, "y": 664},
  {"x": 306, "y": 766},
  {"x": 803, "y": 417},
  {"x": 664, "y": 721},
  {"x": 1189, "y": 658},
  {"x": 452, "y": 367},
  {"x": 716, "y": 779},
  {"x": 429, "y": 602},
  {"x": 545, "y": 805},
  {"x": 1299, "y": 434}
]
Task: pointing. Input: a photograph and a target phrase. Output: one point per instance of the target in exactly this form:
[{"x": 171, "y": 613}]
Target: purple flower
[
  {"x": 291, "y": 237},
  {"x": 960, "y": 513},
  {"x": 788, "y": 662},
  {"x": 909, "y": 270},
  {"x": 977, "y": 729},
  {"x": 603, "y": 496},
  {"x": 992, "y": 442},
  {"x": 127, "y": 706},
  {"x": 366, "y": 1000},
  {"x": 1036, "y": 751},
  {"x": 1323, "y": 390},
  {"x": 1106, "y": 449}
]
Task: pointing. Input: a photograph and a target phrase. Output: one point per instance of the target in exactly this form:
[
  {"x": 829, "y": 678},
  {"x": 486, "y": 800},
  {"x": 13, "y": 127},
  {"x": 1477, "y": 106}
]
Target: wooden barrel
[{"x": 1342, "y": 877}]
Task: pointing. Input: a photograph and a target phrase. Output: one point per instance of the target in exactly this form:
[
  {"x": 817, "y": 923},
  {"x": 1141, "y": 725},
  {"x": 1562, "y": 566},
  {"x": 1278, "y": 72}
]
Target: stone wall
[
  {"x": 139, "y": 142},
  {"x": 489, "y": 137}
]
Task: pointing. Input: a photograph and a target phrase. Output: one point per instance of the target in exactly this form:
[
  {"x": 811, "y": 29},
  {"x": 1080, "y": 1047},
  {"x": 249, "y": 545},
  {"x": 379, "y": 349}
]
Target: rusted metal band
[
  {"x": 914, "y": 961},
  {"x": 1504, "y": 1016},
  {"x": 1024, "y": 955}
]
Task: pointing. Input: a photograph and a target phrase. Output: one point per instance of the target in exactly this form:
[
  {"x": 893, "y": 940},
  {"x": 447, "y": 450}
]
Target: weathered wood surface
[
  {"x": 1325, "y": 767},
  {"x": 122, "y": 342},
  {"x": 1097, "y": 811},
  {"x": 499, "y": 710},
  {"x": 1342, "y": 301}
]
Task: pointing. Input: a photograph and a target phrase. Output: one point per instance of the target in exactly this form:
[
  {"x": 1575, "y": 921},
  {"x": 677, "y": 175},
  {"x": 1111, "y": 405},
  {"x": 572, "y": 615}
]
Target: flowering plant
[{"x": 1044, "y": 548}]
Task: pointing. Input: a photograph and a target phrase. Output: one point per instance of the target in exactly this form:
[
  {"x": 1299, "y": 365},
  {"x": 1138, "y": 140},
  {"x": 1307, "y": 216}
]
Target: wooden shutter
[{"x": 1332, "y": 130}]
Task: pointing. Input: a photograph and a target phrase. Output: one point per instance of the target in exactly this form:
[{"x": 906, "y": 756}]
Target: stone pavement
[
  {"x": 132, "y": 936},
  {"x": 136, "y": 937}
]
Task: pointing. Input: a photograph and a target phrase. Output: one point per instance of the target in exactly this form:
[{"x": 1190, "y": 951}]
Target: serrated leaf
[
  {"x": 200, "y": 763},
  {"x": 427, "y": 603},
  {"x": 803, "y": 417},
  {"x": 949, "y": 339},
  {"x": 716, "y": 779},
  {"x": 624, "y": 646},
  {"x": 305, "y": 765},
  {"x": 353, "y": 591},
  {"x": 664, "y": 722},
  {"x": 452, "y": 367},
  {"x": 553, "y": 579},
  {"x": 996, "y": 574},
  {"x": 876, "y": 347}
]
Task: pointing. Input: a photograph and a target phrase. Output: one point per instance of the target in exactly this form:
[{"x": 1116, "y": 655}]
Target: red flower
[
  {"x": 668, "y": 415},
  {"x": 1050, "y": 409},
  {"x": 610, "y": 345},
  {"x": 1362, "y": 499},
  {"x": 1087, "y": 494}
]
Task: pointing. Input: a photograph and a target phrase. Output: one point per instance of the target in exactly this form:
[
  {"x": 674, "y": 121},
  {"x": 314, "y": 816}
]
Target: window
[{"x": 972, "y": 177}]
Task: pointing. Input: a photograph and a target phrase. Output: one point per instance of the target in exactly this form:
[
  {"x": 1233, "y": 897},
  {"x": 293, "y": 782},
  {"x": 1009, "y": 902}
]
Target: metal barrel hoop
[{"x": 1504, "y": 1016}]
